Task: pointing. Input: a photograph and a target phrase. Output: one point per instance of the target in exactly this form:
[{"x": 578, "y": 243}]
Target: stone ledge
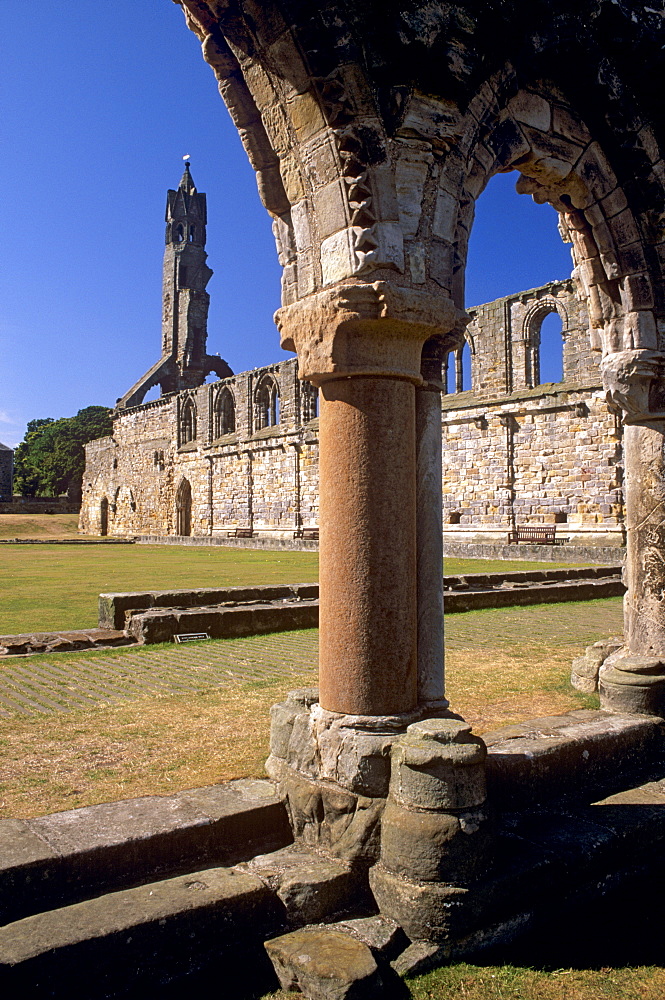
[
  {"x": 224, "y": 623},
  {"x": 570, "y": 757},
  {"x": 63, "y": 857},
  {"x": 136, "y": 938},
  {"x": 114, "y": 607}
]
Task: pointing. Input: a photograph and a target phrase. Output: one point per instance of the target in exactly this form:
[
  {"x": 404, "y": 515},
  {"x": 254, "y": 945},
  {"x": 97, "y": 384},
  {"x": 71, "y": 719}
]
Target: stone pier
[{"x": 632, "y": 678}]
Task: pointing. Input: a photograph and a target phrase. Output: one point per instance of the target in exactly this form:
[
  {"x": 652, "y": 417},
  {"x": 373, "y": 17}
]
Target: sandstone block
[
  {"x": 325, "y": 965},
  {"x": 435, "y": 846},
  {"x": 312, "y": 888},
  {"x": 427, "y": 911},
  {"x": 438, "y": 764}
]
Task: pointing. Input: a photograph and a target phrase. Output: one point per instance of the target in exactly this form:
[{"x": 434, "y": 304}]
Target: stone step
[
  {"x": 137, "y": 940},
  {"x": 69, "y": 856}
]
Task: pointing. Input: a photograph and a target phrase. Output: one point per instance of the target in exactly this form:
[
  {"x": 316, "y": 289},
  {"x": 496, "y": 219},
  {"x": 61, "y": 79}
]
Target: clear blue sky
[{"x": 100, "y": 103}]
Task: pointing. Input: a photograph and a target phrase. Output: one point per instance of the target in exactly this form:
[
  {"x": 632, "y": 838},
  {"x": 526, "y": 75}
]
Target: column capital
[
  {"x": 635, "y": 383},
  {"x": 375, "y": 329}
]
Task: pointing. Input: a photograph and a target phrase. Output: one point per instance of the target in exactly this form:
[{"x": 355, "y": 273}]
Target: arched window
[
  {"x": 550, "y": 350},
  {"x": 309, "y": 396},
  {"x": 192, "y": 233},
  {"x": 266, "y": 403},
  {"x": 183, "y": 508},
  {"x": 457, "y": 369},
  {"x": 179, "y": 233},
  {"x": 188, "y": 422},
  {"x": 224, "y": 416}
]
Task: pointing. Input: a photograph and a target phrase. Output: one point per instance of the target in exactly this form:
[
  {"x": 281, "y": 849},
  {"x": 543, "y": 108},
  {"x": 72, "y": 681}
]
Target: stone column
[
  {"x": 429, "y": 530},
  {"x": 362, "y": 345},
  {"x": 367, "y": 518},
  {"x": 633, "y": 678}
]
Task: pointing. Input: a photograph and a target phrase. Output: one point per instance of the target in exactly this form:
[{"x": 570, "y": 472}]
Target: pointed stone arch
[
  {"x": 223, "y": 413},
  {"x": 183, "y": 508}
]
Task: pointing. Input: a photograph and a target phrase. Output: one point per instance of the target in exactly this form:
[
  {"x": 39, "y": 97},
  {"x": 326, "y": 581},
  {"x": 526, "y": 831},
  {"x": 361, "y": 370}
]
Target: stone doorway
[{"x": 183, "y": 508}]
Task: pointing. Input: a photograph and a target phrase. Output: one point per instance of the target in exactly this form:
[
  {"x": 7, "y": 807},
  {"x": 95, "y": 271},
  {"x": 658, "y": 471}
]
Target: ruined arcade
[{"x": 373, "y": 129}]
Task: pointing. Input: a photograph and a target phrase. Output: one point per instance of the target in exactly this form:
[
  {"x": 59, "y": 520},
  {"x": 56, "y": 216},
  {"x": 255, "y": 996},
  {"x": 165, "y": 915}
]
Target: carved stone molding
[
  {"x": 366, "y": 329},
  {"x": 635, "y": 383}
]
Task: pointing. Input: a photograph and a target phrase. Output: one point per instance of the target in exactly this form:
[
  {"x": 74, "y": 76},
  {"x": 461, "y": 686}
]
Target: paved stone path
[{"x": 61, "y": 683}]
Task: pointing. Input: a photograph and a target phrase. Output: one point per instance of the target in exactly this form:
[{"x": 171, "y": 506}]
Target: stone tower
[{"x": 184, "y": 363}]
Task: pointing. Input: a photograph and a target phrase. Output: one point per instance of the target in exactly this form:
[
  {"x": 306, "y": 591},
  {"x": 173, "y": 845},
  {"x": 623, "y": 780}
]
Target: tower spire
[{"x": 186, "y": 181}]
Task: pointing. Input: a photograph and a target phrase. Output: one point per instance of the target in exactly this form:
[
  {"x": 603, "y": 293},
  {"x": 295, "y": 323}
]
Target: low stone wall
[
  {"x": 39, "y": 505},
  {"x": 267, "y": 542},
  {"x": 604, "y": 555}
]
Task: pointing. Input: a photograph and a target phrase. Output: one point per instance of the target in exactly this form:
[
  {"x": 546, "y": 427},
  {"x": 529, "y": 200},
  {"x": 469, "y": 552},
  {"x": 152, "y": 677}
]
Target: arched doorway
[{"x": 183, "y": 509}]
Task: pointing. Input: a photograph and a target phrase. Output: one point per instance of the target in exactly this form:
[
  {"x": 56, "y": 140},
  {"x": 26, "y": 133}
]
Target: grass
[
  {"x": 43, "y": 587},
  {"x": 39, "y": 526},
  {"x": 153, "y": 743}
]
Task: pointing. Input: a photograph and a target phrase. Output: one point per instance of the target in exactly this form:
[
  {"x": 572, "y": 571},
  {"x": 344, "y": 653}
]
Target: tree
[{"x": 51, "y": 458}]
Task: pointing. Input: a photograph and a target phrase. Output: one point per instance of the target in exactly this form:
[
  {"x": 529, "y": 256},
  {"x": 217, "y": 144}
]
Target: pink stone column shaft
[{"x": 368, "y": 625}]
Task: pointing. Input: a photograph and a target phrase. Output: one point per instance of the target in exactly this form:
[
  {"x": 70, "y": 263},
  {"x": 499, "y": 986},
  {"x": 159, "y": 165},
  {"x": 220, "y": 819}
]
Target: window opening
[
  {"x": 225, "y": 414},
  {"x": 549, "y": 350}
]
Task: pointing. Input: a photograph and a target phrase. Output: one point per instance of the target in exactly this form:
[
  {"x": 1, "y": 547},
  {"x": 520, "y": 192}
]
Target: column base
[
  {"x": 430, "y": 911},
  {"x": 333, "y": 772},
  {"x": 632, "y": 684}
]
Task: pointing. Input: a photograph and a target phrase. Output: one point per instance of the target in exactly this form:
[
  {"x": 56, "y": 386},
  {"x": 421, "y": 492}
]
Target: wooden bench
[
  {"x": 240, "y": 533},
  {"x": 307, "y": 534},
  {"x": 544, "y": 534}
]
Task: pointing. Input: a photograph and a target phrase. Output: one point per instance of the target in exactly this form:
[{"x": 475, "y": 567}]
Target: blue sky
[{"x": 100, "y": 103}]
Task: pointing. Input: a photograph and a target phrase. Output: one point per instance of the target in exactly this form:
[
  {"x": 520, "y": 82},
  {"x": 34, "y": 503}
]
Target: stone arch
[
  {"x": 266, "y": 402},
  {"x": 458, "y": 366},
  {"x": 530, "y": 335},
  {"x": 536, "y": 132},
  {"x": 224, "y": 413},
  {"x": 183, "y": 508}
]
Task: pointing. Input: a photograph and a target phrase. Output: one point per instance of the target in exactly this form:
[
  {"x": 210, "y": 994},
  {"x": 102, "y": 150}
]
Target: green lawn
[{"x": 45, "y": 587}]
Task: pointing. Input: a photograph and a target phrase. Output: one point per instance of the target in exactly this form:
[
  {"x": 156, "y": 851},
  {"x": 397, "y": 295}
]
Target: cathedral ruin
[{"x": 242, "y": 452}]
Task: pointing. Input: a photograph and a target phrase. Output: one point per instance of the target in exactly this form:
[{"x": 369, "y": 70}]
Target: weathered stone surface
[
  {"x": 426, "y": 910},
  {"x": 438, "y": 764},
  {"x": 330, "y": 818},
  {"x": 325, "y": 965},
  {"x": 584, "y": 671},
  {"x": 310, "y": 886},
  {"x": 633, "y": 683},
  {"x": 381, "y": 935},
  {"x": 62, "y": 642},
  {"x": 221, "y": 623},
  {"x": 75, "y": 950},
  {"x": 420, "y": 957},
  {"x": 571, "y": 756},
  {"x": 435, "y": 846},
  {"x": 60, "y": 858}
]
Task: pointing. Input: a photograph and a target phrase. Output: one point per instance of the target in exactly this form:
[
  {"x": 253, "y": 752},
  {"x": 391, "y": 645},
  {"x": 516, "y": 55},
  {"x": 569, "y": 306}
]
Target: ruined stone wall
[
  {"x": 519, "y": 452},
  {"x": 265, "y": 477},
  {"x": 514, "y": 452}
]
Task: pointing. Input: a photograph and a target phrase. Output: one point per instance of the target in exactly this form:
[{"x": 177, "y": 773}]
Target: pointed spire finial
[{"x": 186, "y": 182}]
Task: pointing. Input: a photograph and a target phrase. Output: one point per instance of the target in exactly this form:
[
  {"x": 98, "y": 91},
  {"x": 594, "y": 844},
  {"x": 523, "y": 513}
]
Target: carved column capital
[
  {"x": 635, "y": 383},
  {"x": 373, "y": 329}
]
